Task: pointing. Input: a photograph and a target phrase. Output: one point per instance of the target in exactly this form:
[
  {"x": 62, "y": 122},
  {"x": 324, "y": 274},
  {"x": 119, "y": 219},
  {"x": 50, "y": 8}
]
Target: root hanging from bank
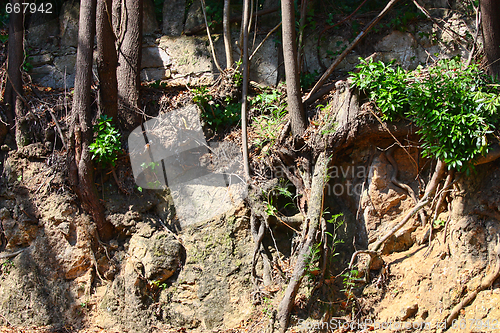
[
  {"x": 485, "y": 283},
  {"x": 319, "y": 181}
]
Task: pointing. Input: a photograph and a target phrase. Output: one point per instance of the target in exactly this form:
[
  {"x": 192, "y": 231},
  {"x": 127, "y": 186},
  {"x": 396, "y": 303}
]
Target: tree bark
[
  {"x": 295, "y": 106},
  {"x": 227, "y": 34},
  {"x": 80, "y": 164},
  {"x": 14, "y": 95},
  {"x": 129, "y": 63},
  {"x": 244, "y": 89},
  {"x": 490, "y": 11},
  {"x": 107, "y": 60}
]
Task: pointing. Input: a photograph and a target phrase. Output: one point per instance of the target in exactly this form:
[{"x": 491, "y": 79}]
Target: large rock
[
  {"x": 173, "y": 17},
  {"x": 149, "y": 22},
  {"x": 155, "y": 57},
  {"x": 158, "y": 252},
  {"x": 66, "y": 64},
  {"x": 68, "y": 21},
  {"x": 18, "y": 233},
  {"x": 195, "y": 16},
  {"x": 42, "y": 28},
  {"x": 264, "y": 65},
  {"x": 399, "y": 46},
  {"x": 50, "y": 76}
]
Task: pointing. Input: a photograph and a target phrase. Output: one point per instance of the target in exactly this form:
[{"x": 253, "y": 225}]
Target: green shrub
[
  {"x": 454, "y": 107},
  {"x": 106, "y": 145}
]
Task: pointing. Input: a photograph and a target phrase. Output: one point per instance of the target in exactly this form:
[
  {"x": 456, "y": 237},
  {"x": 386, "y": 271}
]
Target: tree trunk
[
  {"x": 129, "y": 63},
  {"x": 14, "y": 95},
  {"x": 490, "y": 11},
  {"x": 227, "y": 34},
  {"x": 295, "y": 106},
  {"x": 80, "y": 164},
  {"x": 319, "y": 180},
  {"x": 107, "y": 60},
  {"x": 244, "y": 89}
]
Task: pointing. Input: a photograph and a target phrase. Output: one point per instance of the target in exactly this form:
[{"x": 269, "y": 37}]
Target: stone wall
[{"x": 180, "y": 59}]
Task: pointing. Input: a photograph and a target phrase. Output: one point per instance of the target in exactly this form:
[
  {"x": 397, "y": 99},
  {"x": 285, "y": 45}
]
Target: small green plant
[
  {"x": 7, "y": 265},
  {"x": 267, "y": 307},
  {"x": 238, "y": 75},
  {"x": 215, "y": 113},
  {"x": 349, "y": 284},
  {"x": 337, "y": 222},
  {"x": 312, "y": 259},
  {"x": 438, "y": 224},
  {"x": 454, "y": 107},
  {"x": 272, "y": 112},
  {"x": 308, "y": 79},
  {"x": 106, "y": 145},
  {"x": 158, "y": 285}
]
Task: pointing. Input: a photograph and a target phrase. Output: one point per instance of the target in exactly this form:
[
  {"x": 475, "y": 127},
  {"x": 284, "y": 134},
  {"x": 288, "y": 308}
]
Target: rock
[
  {"x": 264, "y": 65},
  {"x": 173, "y": 17},
  {"x": 34, "y": 150},
  {"x": 50, "y": 76},
  {"x": 18, "y": 232},
  {"x": 329, "y": 46},
  {"x": 155, "y": 57},
  {"x": 68, "y": 20},
  {"x": 42, "y": 59},
  {"x": 66, "y": 64},
  {"x": 194, "y": 16},
  {"x": 154, "y": 74},
  {"x": 159, "y": 254},
  {"x": 399, "y": 46},
  {"x": 42, "y": 28},
  {"x": 409, "y": 311},
  {"x": 149, "y": 23}
]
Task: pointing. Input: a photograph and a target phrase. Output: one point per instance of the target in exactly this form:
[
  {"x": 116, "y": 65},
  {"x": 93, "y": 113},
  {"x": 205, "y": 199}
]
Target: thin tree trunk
[
  {"x": 319, "y": 180},
  {"x": 294, "y": 98},
  {"x": 303, "y": 13},
  {"x": 244, "y": 105},
  {"x": 129, "y": 62},
  {"x": 14, "y": 95},
  {"x": 490, "y": 11},
  {"x": 107, "y": 60},
  {"x": 227, "y": 34},
  {"x": 80, "y": 164}
]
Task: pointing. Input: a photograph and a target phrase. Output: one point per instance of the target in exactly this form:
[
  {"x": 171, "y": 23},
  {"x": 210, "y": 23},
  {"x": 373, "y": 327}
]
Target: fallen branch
[{"x": 355, "y": 42}]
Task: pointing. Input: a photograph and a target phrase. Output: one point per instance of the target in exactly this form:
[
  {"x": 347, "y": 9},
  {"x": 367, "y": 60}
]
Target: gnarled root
[
  {"x": 486, "y": 283},
  {"x": 431, "y": 188},
  {"x": 395, "y": 181},
  {"x": 258, "y": 228}
]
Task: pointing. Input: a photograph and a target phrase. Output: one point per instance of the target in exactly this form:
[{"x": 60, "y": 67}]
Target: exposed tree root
[
  {"x": 319, "y": 181},
  {"x": 258, "y": 231},
  {"x": 395, "y": 181},
  {"x": 431, "y": 188},
  {"x": 486, "y": 283}
]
